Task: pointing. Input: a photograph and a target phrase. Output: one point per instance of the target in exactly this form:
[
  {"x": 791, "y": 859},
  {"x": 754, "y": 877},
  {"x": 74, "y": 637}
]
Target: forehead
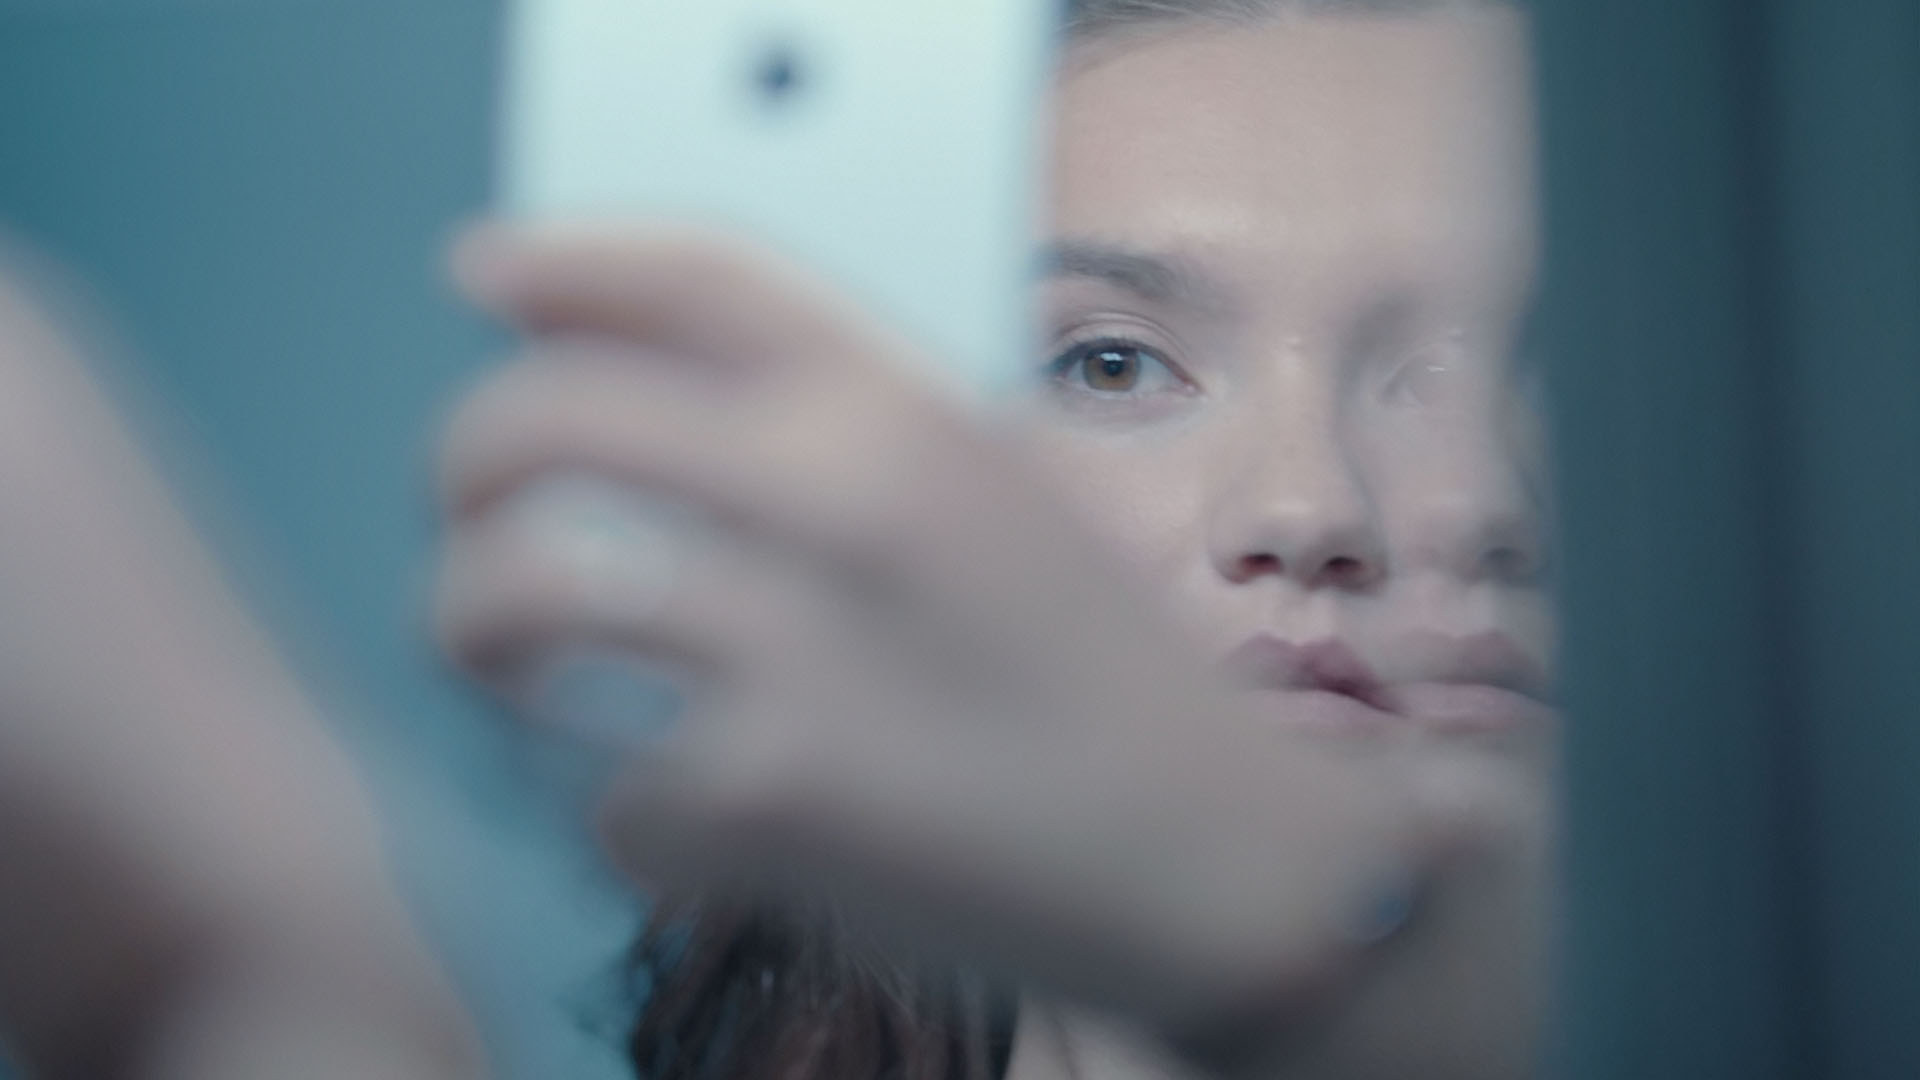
[{"x": 1320, "y": 137}]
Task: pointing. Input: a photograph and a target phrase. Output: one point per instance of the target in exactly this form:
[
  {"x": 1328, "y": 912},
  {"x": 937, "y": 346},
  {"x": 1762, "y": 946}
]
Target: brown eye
[{"x": 1113, "y": 369}]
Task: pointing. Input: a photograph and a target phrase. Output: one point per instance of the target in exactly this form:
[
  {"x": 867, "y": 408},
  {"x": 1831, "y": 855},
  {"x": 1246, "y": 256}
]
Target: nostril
[
  {"x": 1345, "y": 570},
  {"x": 1262, "y": 565},
  {"x": 1509, "y": 564},
  {"x": 1341, "y": 571}
]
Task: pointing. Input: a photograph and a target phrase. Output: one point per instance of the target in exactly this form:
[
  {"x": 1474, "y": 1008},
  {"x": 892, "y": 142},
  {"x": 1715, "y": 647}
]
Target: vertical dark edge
[
  {"x": 1679, "y": 951},
  {"x": 1847, "y": 84},
  {"x": 1794, "y": 818}
]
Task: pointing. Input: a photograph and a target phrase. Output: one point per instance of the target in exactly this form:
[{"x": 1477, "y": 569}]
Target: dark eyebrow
[{"x": 1153, "y": 277}]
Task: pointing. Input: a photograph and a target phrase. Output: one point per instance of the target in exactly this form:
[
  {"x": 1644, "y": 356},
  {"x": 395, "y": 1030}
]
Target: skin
[
  {"x": 1356, "y": 196},
  {"x": 966, "y": 678},
  {"x": 1358, "y": 193},
  {"x": 962, "y": 676},
  {"x": 194, "y": 880}
]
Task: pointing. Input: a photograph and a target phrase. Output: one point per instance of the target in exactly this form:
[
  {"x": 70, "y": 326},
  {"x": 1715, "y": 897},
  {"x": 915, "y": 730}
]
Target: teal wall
[
  {"x": 258, "y": 192},
  {"x": 1844, "y": 80},
  {"x": 1734, "y": 308}
]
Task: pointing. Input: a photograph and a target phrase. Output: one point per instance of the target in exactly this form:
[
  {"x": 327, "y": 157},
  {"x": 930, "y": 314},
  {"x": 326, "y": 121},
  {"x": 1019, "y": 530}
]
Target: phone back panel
[{"x": 891, "y": 144}]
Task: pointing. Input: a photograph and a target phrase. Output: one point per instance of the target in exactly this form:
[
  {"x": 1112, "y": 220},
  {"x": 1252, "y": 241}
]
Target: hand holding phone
[{"x": 886, "y": 145}]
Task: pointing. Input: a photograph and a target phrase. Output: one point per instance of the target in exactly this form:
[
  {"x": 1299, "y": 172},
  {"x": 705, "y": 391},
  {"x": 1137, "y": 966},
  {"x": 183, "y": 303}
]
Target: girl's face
[{"x": 1290, "y": 269}]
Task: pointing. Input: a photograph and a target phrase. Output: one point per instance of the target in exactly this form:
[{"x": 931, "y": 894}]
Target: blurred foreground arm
[{"x": 190, "y": 874}]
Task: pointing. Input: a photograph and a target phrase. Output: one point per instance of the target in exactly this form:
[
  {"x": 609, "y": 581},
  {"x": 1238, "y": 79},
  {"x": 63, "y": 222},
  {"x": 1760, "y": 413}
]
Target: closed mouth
[
  {"x": 1329, "y": 687},
  {"x": 1471, "y": 708},
  {"x": 1464, "y": 685}
]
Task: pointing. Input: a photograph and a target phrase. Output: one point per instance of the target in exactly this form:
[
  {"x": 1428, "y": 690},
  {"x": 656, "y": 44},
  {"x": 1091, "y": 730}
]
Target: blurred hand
[
  {"x": 192, "y": 877},
  {"x": 916, "y": 684}
]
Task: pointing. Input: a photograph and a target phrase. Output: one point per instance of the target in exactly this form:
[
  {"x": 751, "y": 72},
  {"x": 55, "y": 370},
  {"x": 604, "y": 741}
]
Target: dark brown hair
[{"x": 743, "y": 991}]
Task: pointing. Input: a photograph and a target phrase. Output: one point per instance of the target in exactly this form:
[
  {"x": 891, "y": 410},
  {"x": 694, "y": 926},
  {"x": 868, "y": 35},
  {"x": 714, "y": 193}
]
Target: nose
[{"x": 1297, "y": 509}]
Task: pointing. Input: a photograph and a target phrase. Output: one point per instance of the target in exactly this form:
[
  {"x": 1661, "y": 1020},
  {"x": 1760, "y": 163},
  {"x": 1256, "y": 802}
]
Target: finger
[
  {"x": 1109, "y": 875},
  {"x": 574, "y": 562},
  {"x": 599, "y": 406},
  {"x": 836, "y": 479},
  {"x": 673, "y": 286}
]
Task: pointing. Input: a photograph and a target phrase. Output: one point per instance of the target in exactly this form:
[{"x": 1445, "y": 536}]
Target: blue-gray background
[{"x": 258, "y": 192}]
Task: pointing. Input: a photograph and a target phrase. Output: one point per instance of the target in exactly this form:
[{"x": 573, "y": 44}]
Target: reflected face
[{"x": 1291, "y": 265}]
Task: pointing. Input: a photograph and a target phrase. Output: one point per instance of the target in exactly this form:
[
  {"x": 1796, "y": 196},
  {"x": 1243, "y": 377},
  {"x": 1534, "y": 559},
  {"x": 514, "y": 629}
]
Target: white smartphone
[{"x": 890, "y": 144}]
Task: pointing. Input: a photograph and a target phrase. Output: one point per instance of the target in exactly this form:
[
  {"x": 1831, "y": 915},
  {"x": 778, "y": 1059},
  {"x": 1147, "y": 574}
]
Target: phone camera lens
[{"x": 780, "y": 75}]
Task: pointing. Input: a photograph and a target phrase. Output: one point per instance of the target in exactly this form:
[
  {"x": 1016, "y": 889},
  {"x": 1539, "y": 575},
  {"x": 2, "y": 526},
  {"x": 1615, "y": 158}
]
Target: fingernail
[{"x": 605, "y": 697}]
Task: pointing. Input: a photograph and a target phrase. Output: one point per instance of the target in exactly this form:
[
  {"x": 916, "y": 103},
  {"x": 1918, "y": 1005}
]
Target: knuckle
[
  {"x": 494, "y": 599},
  {"x": 549, "y": 408},
  {"x": 500, "y": 413},
  {"x": 475, "y": 593}
]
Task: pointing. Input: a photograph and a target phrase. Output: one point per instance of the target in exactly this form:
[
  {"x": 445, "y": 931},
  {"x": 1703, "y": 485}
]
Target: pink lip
[
  {"x": 1271, "y": 663},
  {"x": 1491, "y": 658},
  {"x": 1474, "y": 683},
  {"x": 1460, "y": 684},
  {"x": 1331, "y": 689},
  {"x": 1469, "y": 708},
  {"x": 1332, "y": 713}
]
